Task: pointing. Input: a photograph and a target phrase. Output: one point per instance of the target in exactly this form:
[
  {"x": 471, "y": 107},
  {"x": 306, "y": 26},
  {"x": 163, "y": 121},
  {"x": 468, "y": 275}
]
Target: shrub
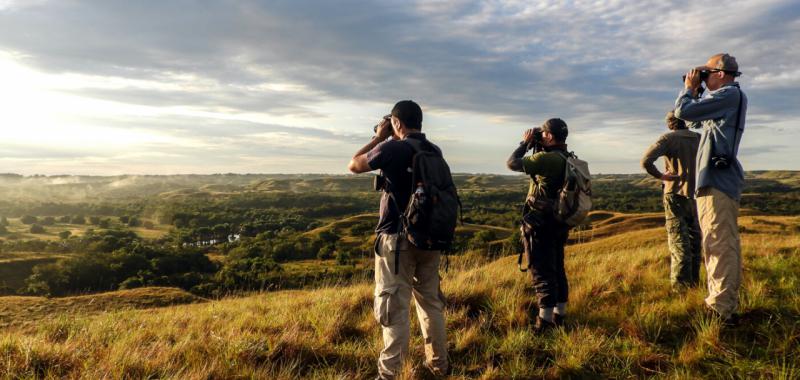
[
  {"x": 135, "y": 265},
  {"x": 343, "y": 257},
  {"x": 513, "y": 243},
  {"x": 325, "y": 253},
  {"x": 329, "y": 236},
  {"x": 29, "y": 219},
  {"x": 37, "y": 229},
  {"x": 482, "y": 237},
  {"x": 248, "y": 273}
]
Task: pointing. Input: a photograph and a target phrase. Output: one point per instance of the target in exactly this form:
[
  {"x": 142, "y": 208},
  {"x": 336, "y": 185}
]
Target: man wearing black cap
[
  {"x": 720, "y": 177},
  {"x": 416, "y": 275},
  {"x": 544, "y": 236}
]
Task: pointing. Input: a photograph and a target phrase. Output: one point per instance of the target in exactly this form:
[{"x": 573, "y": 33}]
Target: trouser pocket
[{"x": 386, "y": 305}]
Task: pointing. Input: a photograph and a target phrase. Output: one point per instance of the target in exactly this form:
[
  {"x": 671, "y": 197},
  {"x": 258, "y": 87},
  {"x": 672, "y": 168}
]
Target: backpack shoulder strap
[
  {"x": 421, "y": 146},
  {"x": 566, "y": 156},
  {"x": 738, "y": 121},
  {"x": 415, "y": 144}
]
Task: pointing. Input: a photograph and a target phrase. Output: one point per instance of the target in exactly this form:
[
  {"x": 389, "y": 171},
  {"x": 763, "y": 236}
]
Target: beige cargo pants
[
  {"x": 722, "y": 254},
  {"x": 417, "y": 277}
]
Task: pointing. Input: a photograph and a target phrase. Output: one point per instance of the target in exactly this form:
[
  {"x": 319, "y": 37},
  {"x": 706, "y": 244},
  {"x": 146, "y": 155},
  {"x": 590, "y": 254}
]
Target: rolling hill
[{"x": 624, "y": 322}]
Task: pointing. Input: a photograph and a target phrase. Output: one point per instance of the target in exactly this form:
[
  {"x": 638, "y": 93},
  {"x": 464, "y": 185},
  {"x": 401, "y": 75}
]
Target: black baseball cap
[{"x": 556, "y": 127}]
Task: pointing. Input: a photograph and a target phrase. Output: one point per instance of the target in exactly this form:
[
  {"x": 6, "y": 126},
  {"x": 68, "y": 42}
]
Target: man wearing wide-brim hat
[{"x": 720, "y": 177}]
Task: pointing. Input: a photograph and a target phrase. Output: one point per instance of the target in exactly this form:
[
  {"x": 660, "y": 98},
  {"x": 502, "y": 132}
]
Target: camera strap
[{"x": 738, "y": 123}]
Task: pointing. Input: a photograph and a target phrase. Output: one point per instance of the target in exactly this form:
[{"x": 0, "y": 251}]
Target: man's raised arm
[
  {"x": 360, "y": 162},
  {"x": 515, "y": 160}
]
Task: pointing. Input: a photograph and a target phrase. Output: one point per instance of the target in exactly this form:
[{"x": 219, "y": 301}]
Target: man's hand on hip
[{"x": 668, "y": 177}]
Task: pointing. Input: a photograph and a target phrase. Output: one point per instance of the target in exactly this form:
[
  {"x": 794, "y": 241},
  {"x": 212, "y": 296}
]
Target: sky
[{"x": 167, "y": 87}]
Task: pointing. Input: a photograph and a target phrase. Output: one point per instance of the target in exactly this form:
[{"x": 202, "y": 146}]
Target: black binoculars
[
  {"x": 384, "y": 118},
  {"x": 703, "y": 75}
]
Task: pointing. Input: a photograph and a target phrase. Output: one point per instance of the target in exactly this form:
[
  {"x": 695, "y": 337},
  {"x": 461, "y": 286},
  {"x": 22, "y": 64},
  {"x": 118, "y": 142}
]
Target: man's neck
[
  {"x": 556, "y": 146},
  {"x": 723, "y": 84},
  {"x": 409, "y": 132}
]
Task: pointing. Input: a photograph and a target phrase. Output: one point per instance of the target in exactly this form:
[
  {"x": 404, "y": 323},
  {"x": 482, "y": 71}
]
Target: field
[
  {"x": 623, "y": 322},
  {"x": 269, "y": 276}
]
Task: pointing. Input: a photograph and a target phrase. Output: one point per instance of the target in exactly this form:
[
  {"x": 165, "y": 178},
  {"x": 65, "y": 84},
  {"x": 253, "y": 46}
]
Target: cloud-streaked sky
[{"x": 113, "y": 87}]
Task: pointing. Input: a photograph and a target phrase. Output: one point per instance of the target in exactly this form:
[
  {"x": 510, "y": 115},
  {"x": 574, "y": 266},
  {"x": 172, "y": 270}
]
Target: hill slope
[
  {"x": 624, "y": 323},
  {"x": 26, "y": 311}
]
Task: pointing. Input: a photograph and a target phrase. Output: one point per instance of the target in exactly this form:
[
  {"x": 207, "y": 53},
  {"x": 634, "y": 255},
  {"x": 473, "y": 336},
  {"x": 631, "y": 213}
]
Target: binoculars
[
  {"x": 703, "y": 75},
  {"x": 384, "y": 118}
]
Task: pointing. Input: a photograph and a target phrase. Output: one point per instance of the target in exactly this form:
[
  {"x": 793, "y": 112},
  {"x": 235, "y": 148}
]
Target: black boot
[
  {"x": 731, "y": 321},
  {"x": 542, "y": 326},
  {"x": 559, "y": 320}
]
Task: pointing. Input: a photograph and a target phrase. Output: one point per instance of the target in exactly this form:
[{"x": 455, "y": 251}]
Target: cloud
[{"x": 610, "y": 67}]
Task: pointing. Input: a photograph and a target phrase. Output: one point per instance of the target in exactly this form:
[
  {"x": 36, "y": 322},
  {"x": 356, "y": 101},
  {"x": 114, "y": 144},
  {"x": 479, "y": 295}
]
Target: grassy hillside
[
  {"x": 27, "y": 313},
  {"x": 624, "y": 323}
]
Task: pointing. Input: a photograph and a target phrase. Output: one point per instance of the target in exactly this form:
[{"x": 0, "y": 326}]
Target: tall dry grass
[{"x": 623, "y": 323}]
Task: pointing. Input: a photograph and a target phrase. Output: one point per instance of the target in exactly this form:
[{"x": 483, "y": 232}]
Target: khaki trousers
[
  {"x": 417, "y": 277},
  {"x": 721, "y": 249}
]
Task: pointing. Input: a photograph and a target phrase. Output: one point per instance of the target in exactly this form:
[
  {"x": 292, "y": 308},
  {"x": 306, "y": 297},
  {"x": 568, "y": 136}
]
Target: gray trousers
[{"x": 417, "y": 278}]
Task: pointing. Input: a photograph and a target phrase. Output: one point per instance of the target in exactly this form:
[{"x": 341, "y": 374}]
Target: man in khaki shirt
[{"x": 679, "y": 149}]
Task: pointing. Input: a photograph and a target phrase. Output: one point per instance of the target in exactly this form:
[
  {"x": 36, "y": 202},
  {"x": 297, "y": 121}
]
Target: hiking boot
[
  {"x": 433, "y": 373},
  {"x": 731, "y": 321},
  {"x": 542, "y": 326},
  {"x": 559, "y": 320}
]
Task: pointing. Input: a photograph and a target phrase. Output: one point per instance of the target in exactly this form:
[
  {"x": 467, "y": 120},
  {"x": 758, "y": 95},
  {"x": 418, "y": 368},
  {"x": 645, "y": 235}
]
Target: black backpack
[{"x": 429, "y": 221}]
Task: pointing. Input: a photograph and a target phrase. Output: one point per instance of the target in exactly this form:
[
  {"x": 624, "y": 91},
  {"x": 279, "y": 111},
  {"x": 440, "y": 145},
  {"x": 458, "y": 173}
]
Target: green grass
[{"x": 623, "y": 323}]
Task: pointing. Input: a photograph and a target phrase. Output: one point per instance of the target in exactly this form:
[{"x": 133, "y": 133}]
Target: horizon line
[{"x": 9, "y": 174}]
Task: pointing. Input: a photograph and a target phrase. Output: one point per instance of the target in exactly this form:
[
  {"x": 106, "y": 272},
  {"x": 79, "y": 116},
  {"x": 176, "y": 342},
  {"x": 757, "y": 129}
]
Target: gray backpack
[{"x": 574, "y": 198}]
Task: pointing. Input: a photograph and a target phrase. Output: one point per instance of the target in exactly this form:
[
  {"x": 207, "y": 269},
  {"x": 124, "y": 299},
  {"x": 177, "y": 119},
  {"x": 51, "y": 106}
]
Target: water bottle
[{"x": 419, "y": 194}]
